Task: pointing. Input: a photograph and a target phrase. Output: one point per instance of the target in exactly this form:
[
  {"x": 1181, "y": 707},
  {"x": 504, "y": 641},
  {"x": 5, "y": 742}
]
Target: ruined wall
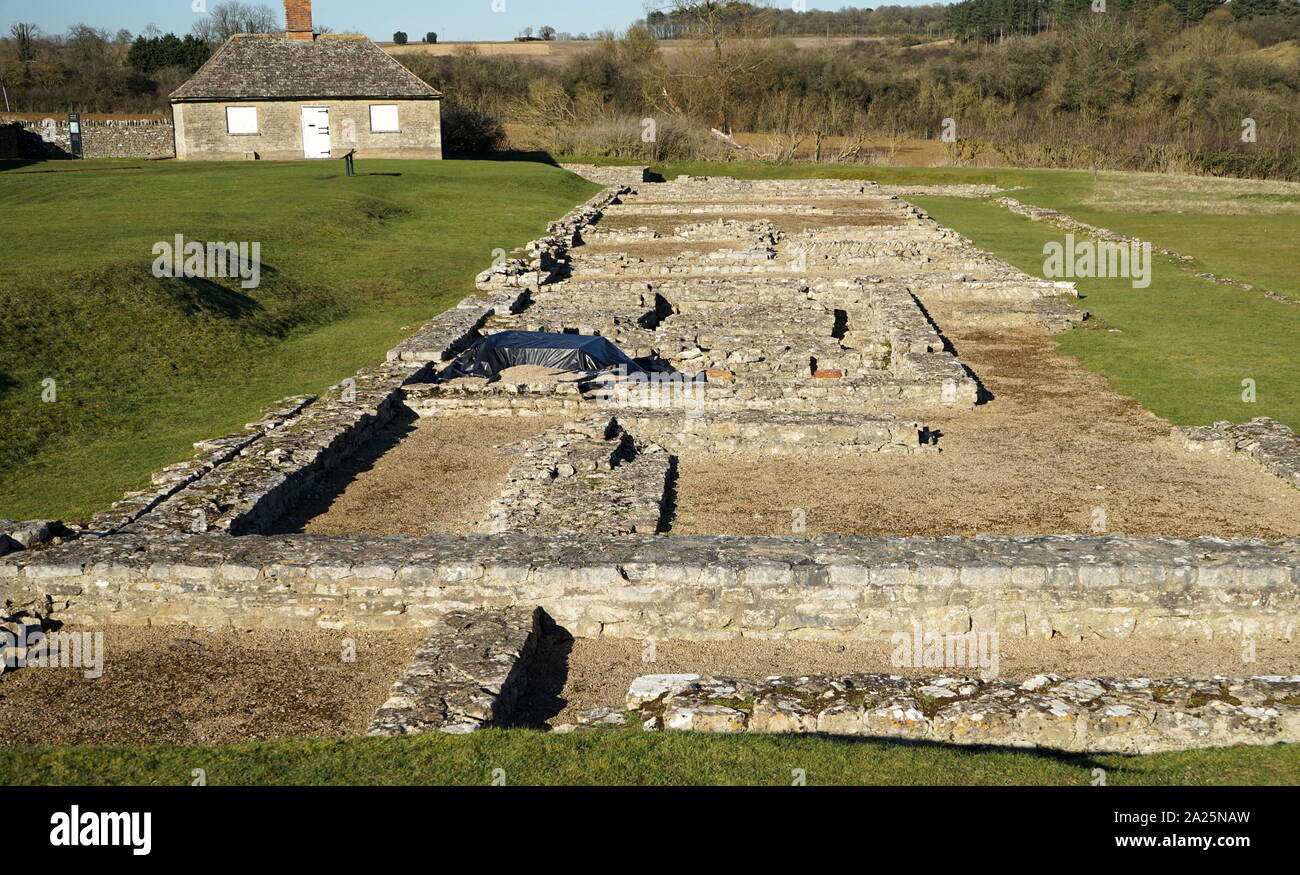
[
  {"x": 153, "y": 564},
  {"x": 617, "y": 175},
  {"x": 695, "y": 587}
]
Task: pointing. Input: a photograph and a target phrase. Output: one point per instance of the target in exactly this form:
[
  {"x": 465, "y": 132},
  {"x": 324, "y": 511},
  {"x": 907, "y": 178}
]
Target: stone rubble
[
  {"x": 468, "y": 674},
  {"x": 1269, "y": 443},
  {"x": 20, "y": 625},
  {"x": 15, "y": 536},
  {"x": 588, "y": 476},
  {"x": 1093, "y": 715}
]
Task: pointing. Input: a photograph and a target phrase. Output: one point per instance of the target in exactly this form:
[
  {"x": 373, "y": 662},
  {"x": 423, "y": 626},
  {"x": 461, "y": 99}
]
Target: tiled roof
[{"x": 260, "y": 66}]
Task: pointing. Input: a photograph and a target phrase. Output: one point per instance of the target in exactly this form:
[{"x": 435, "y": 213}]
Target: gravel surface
[
  {"x": 179, "y": 685},
  {"x": 1056, "y": 451}
]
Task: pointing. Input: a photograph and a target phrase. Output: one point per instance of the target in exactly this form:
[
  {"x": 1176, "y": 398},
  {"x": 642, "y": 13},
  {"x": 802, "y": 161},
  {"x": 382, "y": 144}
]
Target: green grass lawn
[
  {"x": 143, "y": 367},
  {"x": 632, "y": 757},
  {"x": 1181, "y": 347}
]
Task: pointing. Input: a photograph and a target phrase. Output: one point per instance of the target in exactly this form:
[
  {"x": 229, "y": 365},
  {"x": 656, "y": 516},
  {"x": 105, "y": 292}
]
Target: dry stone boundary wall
[{"x": 143, "y": 138}]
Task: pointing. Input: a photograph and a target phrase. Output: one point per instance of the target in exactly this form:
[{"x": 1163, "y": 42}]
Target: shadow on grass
[
  {"x": 216, "y": 299},
  {"x": 535, "y": 156},
  {"x": 16, "y": 163}
]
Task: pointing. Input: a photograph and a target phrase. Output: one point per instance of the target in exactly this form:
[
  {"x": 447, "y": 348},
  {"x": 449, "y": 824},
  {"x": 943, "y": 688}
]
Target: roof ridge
[
  {"x": 271, "y": 67},
  {"x": 203, "y": 66}
]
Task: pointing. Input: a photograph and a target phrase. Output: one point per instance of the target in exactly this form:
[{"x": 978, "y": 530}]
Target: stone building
[{"x": 305, "y": 95}]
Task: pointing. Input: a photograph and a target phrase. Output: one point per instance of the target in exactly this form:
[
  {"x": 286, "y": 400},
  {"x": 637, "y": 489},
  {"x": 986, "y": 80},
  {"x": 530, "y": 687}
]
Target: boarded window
[
  {"x": 241, "y": 119},
  {"x": 383, "y": 117}
]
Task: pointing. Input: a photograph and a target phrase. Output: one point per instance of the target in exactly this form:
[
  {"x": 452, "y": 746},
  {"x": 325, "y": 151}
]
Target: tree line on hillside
[
  {"x": 93, "y": 70},
  {"x": 1145, "y": 85},
  {"x": 1140, "y": 89},
  {"x": 680, "y": 19},
  {"x": 992, "y": 20}
]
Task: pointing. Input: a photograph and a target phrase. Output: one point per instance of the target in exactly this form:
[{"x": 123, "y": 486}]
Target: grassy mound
[{"x": 144, "y": 366}]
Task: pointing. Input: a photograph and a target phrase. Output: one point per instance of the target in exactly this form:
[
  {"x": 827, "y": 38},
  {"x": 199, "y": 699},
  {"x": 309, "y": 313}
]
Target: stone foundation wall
[
  {"x": 610, "y": 175},
  {"x": 687, "y": 587},
  {"x": 1095, "y": 715},
  {"x": 1267, "y": 442},
  {"x": 589, "y": 477},
  {"x": 468, "y": 674}
]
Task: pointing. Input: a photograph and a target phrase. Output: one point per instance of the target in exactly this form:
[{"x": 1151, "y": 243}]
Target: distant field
[{"x": 143, "y": 367}]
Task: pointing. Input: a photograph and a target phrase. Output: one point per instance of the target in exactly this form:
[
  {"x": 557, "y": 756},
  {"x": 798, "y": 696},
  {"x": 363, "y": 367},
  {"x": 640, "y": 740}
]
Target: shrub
[
  {"x": 622, "y": 138},
  {"x": 469, "y": 132}
]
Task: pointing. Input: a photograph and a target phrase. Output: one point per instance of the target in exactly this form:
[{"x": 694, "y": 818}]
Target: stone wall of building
[
  {"x": 201, "y": 131},
  {"x": 1267, "y": 442},
  {"x": 467, "y": 675}
]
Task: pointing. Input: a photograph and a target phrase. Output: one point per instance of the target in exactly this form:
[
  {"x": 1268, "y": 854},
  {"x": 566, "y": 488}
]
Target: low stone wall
[
  {"x": 1094, "y": 715},
  {"x": 616, "y": 175},
  {"x": 588, "y": 477},
  {"x": 143, "y": 138},
  {"x": 689, "y": 587},
  {"x": 468, "y": 674},
  {"x": 1269, "y": 443},
  {"x": 254, "y": 488},
  {"x": 775, "y": 432}
]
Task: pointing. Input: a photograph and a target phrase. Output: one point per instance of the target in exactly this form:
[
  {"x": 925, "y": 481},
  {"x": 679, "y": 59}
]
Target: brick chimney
[{"x": 297, "y": 19}]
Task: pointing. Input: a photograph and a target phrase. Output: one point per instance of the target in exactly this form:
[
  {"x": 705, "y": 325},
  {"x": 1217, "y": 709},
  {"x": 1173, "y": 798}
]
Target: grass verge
[{"x": 635, "y": 758}]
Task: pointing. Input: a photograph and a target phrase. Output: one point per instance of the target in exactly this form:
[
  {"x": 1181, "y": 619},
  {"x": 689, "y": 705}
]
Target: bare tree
[
  {"x": 227, "y": 19},
  {"x": 730, "y": 39},
  {"x": 24, "y": 36}
]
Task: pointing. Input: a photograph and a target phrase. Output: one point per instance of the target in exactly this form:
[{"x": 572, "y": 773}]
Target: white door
[{"x": 316, "y": 131}]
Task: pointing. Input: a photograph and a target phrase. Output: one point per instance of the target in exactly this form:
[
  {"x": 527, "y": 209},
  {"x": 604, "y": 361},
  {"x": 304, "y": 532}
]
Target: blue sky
[{"x": 378, "y": 19}]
